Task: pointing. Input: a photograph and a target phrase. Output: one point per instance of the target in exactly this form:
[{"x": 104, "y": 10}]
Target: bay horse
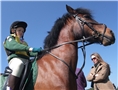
[{"x": 57, "y": 66}]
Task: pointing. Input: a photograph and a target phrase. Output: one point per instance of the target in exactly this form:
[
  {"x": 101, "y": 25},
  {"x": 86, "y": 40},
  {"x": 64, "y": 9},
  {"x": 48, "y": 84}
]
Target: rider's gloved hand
[{"x": 35, "y": 49}]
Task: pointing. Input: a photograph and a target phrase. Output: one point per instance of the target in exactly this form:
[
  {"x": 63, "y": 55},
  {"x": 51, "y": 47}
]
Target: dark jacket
[{"x": 81, "y": 80}]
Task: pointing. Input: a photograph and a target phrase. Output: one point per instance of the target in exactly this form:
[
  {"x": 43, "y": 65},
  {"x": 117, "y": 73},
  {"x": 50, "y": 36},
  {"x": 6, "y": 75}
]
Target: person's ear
[{"x": 13, "y": 30}]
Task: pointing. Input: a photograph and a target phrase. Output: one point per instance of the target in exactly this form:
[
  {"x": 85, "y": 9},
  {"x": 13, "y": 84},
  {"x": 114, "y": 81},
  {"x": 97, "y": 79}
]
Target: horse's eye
[{"x": 86, "y": 16}]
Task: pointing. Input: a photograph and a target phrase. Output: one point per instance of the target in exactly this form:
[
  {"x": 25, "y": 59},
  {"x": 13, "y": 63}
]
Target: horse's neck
[
  {"x": 66, "y": 34},
  {"x": 67, "y": 52}
]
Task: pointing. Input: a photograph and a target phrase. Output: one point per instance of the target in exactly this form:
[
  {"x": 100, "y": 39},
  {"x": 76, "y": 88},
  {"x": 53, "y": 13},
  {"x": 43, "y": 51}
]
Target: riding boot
[{"x": 14, "y": 82}]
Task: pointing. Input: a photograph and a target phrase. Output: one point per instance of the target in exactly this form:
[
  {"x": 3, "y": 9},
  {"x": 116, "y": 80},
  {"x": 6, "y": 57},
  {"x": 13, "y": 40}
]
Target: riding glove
[{"x": 35, "y": 49}]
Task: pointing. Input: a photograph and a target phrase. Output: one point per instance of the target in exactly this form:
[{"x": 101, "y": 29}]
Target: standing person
[
  {"x": 81, "y": 80},
  {"x": 18, "y": 52},
  {"x": 99, "y": 74}
]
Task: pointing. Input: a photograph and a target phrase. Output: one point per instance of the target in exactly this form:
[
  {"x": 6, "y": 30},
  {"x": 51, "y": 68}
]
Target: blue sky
[{"x": 41, "y": 15}]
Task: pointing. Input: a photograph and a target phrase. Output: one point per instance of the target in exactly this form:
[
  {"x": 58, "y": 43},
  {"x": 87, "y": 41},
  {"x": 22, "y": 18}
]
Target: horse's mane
[{"x": 52, "y": 38}]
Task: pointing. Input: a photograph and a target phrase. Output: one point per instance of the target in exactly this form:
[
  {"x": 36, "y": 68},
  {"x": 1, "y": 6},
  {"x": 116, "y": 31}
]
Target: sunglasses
[{"x": 93, "y": 58}]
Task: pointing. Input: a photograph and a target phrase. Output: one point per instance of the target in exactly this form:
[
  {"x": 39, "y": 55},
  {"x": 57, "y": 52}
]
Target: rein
[
  {"x": 83, "y": 50},
  {"x": 80, "y": 40}
]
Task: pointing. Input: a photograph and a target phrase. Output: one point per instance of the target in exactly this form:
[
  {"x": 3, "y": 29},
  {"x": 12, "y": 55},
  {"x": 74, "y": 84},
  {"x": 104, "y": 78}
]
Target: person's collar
[{"x": 96, "y": 64}]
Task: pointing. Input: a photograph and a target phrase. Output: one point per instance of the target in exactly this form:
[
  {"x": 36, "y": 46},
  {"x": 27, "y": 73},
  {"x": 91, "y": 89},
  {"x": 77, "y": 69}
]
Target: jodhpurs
[{"x": 17, "y": 66}]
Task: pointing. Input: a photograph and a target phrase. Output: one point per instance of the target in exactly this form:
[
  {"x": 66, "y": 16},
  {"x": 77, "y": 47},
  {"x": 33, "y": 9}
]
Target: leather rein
[{"x": 83, "y": 40}]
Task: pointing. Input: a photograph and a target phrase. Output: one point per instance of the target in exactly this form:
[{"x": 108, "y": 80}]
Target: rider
[{"x": 18, "y": 52}]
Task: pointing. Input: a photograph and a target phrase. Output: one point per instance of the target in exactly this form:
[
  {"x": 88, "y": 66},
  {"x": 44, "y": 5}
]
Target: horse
[{"x": 56, "y": 68}]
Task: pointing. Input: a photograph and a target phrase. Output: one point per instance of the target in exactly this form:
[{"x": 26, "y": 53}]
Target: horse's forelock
[{"x": 84, "y": 11}]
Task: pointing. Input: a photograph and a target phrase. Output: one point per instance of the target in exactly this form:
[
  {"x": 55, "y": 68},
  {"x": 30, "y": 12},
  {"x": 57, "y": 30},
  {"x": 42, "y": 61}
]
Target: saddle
[{"x": 6, "y": 74}]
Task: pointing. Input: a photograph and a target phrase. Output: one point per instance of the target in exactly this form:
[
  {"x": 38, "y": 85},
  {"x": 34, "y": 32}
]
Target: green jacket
[{"x": 16, "y": 49}]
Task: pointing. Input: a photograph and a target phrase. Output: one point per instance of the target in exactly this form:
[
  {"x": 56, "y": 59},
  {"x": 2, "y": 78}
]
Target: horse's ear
[{"x": 70, "y": 10}]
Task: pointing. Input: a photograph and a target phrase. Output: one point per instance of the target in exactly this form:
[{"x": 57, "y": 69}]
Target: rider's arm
[
  {"x": 33, "y": 54},
  {"x": 11, "y": 44},
  {"x": 91, "y": 75},
  {"x": 103, "y": 73}
]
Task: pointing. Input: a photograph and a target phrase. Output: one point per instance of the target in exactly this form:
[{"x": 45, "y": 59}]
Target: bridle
[
  {"x": 83, "y": 40},
  {"x": 96, "y": 33}
]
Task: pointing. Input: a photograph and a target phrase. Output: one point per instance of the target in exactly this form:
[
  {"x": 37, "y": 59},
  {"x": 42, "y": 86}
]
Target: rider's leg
[
  {"x": 13, "y": 82},
  {"x": 17, "y": 66}
]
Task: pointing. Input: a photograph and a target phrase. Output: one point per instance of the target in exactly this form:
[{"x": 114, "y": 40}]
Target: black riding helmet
[{"x": 17, "y": 24}]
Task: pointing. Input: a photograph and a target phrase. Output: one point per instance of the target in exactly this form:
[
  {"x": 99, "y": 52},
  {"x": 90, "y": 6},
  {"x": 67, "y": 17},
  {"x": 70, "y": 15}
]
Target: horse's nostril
[{"x": 111, "y": 31}]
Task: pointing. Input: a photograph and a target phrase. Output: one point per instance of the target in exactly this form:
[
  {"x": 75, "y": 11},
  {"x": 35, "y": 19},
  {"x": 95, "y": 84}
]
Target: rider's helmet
[{"x": 17, "y": 24}]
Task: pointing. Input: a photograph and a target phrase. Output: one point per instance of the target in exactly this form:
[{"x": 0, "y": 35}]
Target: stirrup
[{"x": 7, "y": 71}]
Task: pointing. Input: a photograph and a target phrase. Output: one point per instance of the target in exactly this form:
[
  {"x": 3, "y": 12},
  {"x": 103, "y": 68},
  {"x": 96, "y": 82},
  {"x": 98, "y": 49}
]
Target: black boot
[{"x": 14, "y": 82}]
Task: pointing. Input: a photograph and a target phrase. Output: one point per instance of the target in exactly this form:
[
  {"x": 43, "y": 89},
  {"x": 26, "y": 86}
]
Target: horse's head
[{"x": 90, "y": 27}]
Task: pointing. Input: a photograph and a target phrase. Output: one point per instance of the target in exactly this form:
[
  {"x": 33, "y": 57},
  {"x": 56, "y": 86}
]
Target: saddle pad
[
  {"x": 30, "y": 81},
  {"x": 2, "y": 81}
]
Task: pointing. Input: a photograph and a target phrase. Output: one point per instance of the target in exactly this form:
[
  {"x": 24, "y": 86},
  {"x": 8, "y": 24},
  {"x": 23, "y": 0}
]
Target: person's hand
[
  {"x": 96, "y": 75},
  {"x": 37, "y": 49},
  {"x": 92, "y": 75}
]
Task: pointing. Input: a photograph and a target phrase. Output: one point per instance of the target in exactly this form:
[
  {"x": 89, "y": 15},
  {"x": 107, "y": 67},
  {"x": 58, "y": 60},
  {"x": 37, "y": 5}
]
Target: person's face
[
  {"x": 20, "y": 32},
  {"x": 94, "y": 59}
]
